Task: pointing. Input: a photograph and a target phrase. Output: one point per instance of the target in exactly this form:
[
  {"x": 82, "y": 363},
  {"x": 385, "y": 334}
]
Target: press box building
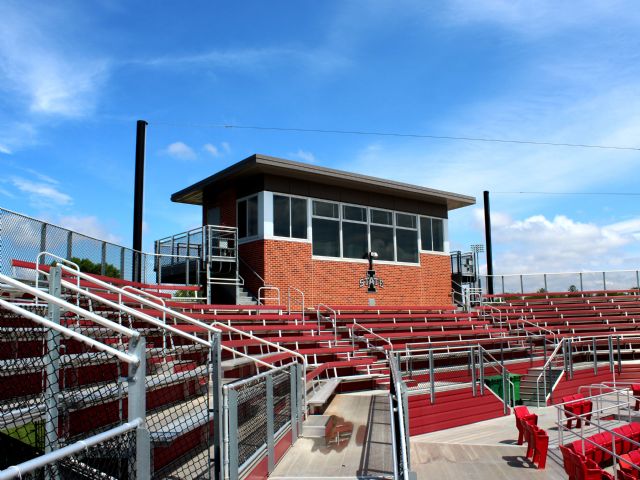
[{"x": 309, "y": 227}]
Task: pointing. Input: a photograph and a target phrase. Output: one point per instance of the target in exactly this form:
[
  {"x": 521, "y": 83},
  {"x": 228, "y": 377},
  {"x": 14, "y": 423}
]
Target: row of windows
[{"x": 347, "y": 231}]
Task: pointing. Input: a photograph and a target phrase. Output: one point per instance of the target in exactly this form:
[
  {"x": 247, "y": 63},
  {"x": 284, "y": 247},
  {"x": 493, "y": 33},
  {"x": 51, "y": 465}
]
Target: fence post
[
  {"x": 595, "y": 357},
  {"x": 481, "y": 361},
  {"x": 270, "y": 411},
  {"x": 619, "y": 355},
  {"x": 216, "y": 410},
  {"x": 232, "y": 432},
  {"x": 581, "y": 287},
  {"x": 610, "y": 345},
  {"x": 431, "y": 379},
  {"x": 43, "y": 240},
  {"x": 103, "y": 259},
  {"x": 546, "y": 289},
  {"x": 137, "y": 406},
  {"x": 521, "y": 285},
  {"x": 638, "y": 279},
  {"x": 122, "y": 263},
  {"x": 472, "y": 362},
  {"x": 69, "y": 245},
  {"x": 52, "y": 370},
  {"x": 604, "y": 280}
]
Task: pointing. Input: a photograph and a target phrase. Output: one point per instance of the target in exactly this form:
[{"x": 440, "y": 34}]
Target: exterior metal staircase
[{"x": 532, "y": 392}]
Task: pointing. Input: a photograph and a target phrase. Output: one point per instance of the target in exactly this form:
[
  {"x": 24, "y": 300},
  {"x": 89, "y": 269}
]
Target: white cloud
[
  {"x": 88, "y": 225},
  {"x": 226, "y": 147},
  {"x": 35, "y": 64},
  {"x": 4, "y": 149},
  {"x": 560, "y": 244},
  {"x": 181, "y": 151},
  {"x": 211, "y": 149},
  {"x": 304, "y": 156},
  {"x": 42, "y": 194}
]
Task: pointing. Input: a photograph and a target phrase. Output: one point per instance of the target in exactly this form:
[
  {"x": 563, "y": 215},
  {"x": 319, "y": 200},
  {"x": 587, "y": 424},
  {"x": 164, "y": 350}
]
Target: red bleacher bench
[
  {"x": 575, "y": 407},
  {"x": 578, "y": 467},
  {"x": 635, "y": 388},
  {"x": 604, "y": 440},
  {"x": 537, "y": 444},
  {"x": 628, "y": 460},
  {"x": 523, "y": 415}
]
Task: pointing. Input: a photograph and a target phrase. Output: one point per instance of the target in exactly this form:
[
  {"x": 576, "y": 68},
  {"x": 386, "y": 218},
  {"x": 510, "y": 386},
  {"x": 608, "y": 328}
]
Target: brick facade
[{"x": 288, "y": 263}]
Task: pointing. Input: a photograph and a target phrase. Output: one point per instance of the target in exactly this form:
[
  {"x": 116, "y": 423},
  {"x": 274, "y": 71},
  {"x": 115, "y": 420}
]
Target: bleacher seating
[{"x": 577, "y": 408}]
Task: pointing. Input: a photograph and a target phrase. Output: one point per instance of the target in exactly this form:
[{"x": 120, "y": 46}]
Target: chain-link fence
[
  {"x": 563, "y": 282},
  {"x": 260, "y": 410},
  {"x": 23, "y": 238}
]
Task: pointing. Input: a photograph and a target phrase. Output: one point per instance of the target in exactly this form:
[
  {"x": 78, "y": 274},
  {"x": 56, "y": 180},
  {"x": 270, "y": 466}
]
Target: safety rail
[
  {"x": 295, "y": 289},
  {"x": 23, "y": 469},
  {"x": 617, "y": 407},
  {"x": 562, "y": 279},
  {"x": 354, "y": 325},
  {"x": 548, "y": 366},
  {"x": 257, "y": 413},
  {"x": 177, "y": 315},
  {"x": 535, "y": 325},
  {"x": 333, "y": 317},
  {"x": 47, "y": 407},
  {"x": 399, "y": 412},
  {"x": 41, "y": 256},
  {"x": 509, "y": 393},
  {"x": 265, "y": 298},
  {"x": 454, "y": 343},
  {"x": 492, "y": 309}
]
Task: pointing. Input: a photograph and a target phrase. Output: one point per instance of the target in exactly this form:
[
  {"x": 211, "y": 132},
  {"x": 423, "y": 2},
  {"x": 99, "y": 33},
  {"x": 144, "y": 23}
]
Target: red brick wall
[{"x": 337, "y": 282}]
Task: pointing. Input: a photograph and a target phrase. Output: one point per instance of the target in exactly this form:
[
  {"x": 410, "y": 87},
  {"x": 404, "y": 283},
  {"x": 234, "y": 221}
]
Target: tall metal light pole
[
  {"x": 138, "y": 197},
  {"x": 487, "y": 235},
  {"x": 476, "y": 248}
]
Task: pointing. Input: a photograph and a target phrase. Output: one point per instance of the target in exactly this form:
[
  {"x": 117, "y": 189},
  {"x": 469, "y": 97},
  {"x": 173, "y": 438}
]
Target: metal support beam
[
  {"x": 138, "y": 196},
  {"x": 215, "y": 392},
  {"x": 137, "y": 406},
  {"x": 432, "y": 380},
  {"x": 52, "y": 371},
  {"x": 233, "y": 433},
  {"x": 270, "y": 412},
  {"x": 488, "y": 243}
]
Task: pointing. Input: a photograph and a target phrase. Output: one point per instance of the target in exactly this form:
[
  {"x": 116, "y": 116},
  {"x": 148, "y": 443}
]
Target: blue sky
[{"x": 74, "y": 77}]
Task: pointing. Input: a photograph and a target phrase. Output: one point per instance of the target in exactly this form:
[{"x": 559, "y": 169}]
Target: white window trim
[{"x": 445, "y": 236}]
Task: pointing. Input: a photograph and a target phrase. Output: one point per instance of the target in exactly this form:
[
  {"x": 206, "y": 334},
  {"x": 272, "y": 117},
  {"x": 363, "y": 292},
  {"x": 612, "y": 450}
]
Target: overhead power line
[
  {"x": 395, "y": 134},
  {"x": 621, "y": 194}
]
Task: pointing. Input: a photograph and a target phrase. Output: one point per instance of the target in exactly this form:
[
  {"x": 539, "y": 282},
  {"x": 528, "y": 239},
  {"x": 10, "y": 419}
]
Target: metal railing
[
  {"x": 551, "y": 362},
  {"x": 567, "y": 282},
  {"x": 264, "y": 297},
  {"x": 23, "y": 237},
  {"x": 289, "y": 296},
  {"x": 258, "y": 411},
  {"x": 355, "y": 325},
  {"x": 399, "y": 412},
  {"x": 25, "y": 406},
  {"x": 333, "y": 317}
]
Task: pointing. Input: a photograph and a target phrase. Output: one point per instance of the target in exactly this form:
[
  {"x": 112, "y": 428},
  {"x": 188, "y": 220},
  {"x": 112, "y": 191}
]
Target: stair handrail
[
  {"x": 504, "y": 373},
  {"x": 126, "y": 357},
  {"x": 127, "y": 332},
  {"x": 291, "y": 287},
  {"x": 267, "y": 288},
  {"x": 252, "y": 270},
  {"x": 355, "y": 325},
  {"x": 60, "y": 259},
  {"x": 542, "y": 374},
  {"x": 544, "y": 329},
  {"x": 334, "y": 319},
  {"x": 67, "y": 332},
  {"x": 492, "y": 308},
  {"x": 193, "y": 321}
]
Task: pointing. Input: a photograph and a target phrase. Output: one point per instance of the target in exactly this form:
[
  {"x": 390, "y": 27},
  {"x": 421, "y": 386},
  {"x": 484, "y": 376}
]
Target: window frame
[
  {"x": 246, "y": 199},
  {"x": 444, "y": 235},
  {"x": 289, "y": 198}
]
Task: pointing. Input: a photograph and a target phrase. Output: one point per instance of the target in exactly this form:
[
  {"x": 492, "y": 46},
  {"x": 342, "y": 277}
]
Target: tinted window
[
  {"x": 252, "y": 216},
  {"x": 382, "y": 242},
  {"x": 242, "y": 219},
  {"x": 406, "y": 221},
  {"x": 354, "y": 240},
  {"x": 281, "y": 224},
  {"x": 382, "y": 217},
  {"x": 325, "y": 209},
  {"x": 326, "y": 237},
  {"x": 438, "y": 235},
  {"x": 357, "y": 214},
  {"x": 425, "y": 234},
  {"x": 299, "y": 218},
  {"x": 407, "y": 243}
]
